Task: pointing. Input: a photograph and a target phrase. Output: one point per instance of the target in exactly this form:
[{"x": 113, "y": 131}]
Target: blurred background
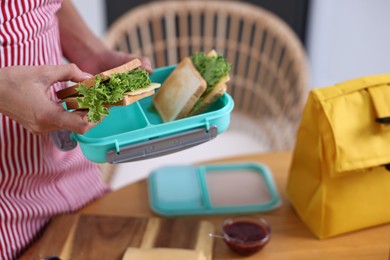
[{"x": 343, "y": 38}]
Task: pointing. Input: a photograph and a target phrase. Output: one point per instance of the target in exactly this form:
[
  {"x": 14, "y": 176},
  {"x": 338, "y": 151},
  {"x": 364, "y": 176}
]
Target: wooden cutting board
[{"x": 107, "y": 237}]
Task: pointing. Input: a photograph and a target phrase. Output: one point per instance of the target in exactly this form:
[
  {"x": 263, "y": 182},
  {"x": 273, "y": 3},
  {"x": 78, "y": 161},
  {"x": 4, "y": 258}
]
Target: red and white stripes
[{"x": 37, "y": 181}]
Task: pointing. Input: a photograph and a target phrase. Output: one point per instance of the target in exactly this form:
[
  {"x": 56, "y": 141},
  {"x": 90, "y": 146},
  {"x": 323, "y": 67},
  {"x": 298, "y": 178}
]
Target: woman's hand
[{"x": 25, "y": 97}]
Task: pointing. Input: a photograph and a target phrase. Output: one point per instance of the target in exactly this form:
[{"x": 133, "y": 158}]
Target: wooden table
[{"x": 290, "y": 238}]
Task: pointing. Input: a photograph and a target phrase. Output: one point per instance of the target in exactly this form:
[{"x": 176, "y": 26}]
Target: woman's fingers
[
  {"x": 74, "y": 122},
  {"x": 66, "y": 72}
]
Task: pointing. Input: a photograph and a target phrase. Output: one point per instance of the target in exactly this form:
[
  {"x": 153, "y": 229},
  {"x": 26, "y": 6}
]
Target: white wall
[
  {"x": 94, "y": 14},
  {"x": 348, "y": 39}
]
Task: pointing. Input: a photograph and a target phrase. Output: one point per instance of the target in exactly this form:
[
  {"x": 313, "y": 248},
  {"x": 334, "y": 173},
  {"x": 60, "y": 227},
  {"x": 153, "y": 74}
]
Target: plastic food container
[
  {"x": 136, "y": 132},
  {"x": 178, "y": 190}
]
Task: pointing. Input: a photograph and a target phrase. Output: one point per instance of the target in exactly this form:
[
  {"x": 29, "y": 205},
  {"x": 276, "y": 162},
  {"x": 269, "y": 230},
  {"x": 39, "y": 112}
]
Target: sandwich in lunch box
[
  {"x": 195, "y": 83},
  {"x": 118, "y": 86}
]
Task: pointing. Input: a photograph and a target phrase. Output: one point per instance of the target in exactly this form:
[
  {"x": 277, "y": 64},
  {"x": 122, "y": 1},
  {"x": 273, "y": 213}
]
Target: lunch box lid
[
  {"x": 176, "y": 190},
  {"x": 136, "y": 131}
]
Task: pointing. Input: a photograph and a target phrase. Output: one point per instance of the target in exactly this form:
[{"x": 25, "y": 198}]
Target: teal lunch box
[
  {"x": 136, "y": 132},
  {"x": 179, "y": 190}
]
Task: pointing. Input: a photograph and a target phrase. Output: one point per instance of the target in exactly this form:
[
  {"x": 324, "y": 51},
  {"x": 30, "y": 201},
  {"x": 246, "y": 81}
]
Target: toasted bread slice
[
  {"x": 71, "y": 91},
  {"x": 179, "y": 92},
  {"x": 128, "y": 98}
]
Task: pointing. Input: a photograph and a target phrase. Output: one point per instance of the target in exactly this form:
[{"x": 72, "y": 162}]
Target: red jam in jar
[{"x": 246, "y": 236}]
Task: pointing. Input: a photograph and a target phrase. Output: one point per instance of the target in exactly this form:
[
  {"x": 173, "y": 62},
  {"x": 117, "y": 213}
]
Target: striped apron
[{"x": 37, "y": 181}]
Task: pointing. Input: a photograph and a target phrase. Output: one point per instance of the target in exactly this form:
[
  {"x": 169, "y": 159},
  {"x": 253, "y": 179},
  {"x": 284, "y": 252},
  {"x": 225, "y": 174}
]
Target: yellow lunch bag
[{"x": 339, "y": 179}]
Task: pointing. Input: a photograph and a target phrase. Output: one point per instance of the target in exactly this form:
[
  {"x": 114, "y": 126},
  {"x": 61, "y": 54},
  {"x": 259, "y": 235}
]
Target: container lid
[{"x": 212, "y": 189}]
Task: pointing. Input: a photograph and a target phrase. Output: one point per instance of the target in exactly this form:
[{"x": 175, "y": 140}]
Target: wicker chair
[{"x": 269, "y": 80}]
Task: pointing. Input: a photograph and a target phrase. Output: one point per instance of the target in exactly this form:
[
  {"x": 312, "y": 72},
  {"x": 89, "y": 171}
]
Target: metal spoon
[{"x": 215, "y": 235}]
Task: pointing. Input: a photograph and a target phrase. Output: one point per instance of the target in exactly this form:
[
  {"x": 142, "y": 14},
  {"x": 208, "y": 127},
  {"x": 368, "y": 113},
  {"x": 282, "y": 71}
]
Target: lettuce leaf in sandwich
[
  {"x": 103, "y": 94},
  {"x": 214, "y": 69}
]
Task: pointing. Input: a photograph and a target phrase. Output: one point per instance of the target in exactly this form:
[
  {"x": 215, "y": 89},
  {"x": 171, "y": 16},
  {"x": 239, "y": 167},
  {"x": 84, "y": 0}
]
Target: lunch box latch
[{"x": 162, "y": 146}]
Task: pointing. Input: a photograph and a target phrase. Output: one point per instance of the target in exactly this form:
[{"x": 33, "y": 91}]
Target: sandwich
[
  {"x": 118, "y": 86},
  {"x": 196, "y": 83}
]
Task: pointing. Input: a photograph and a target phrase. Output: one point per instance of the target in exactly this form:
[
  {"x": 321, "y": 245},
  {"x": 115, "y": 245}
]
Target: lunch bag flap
[{"x": 356, "y": 132}]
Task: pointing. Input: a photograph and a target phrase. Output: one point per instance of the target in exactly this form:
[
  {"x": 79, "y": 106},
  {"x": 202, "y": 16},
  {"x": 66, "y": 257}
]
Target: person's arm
[
  {"x": 25, "y": 97},
  {"x": 82, "y": 47}
]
